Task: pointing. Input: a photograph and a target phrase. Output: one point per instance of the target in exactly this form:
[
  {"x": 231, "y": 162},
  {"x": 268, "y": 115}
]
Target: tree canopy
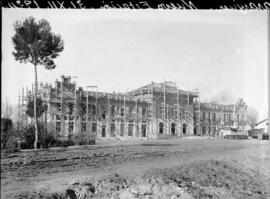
[{"x": 34, "y": 42}]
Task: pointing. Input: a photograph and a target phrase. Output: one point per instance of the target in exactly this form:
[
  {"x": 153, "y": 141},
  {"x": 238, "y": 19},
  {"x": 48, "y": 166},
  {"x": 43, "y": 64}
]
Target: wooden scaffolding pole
[
  {"x": 22, "y": 113},
  {"x": 164, "y": 100},
  {"x": 136, "y": 124},
  {"x": 75, "y": 110},
  {"x": 96, "y": 111},
  {"x": 148, "y": 100},
  {"x": 200, "y": 116},
  {"x": 22, "y": 95},
  {"x": 124, "y": 116},
  {"x": 109, "y": 116},
  {"x": 109, "y": 111},
  {"x": 87, "y": 112},
  {"x": 19, "y": 109},
  {"x": 188, "y": 97},
  {"x": 124, "y": 106},
  {"x": 32, "y": 92},
  {"x": 62, "y": 118},
  {"x": 27, "y": 92},
  {"x": 178, "y": 107},
  {"x": 96, "y": 106}
]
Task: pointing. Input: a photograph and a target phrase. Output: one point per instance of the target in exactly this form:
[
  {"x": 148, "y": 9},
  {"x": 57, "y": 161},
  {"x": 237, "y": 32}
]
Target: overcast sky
[{"x": 223, "y": 54}]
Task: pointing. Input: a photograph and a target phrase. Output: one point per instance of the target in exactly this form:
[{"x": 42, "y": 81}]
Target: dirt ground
[{"x": 190, "y": 167}]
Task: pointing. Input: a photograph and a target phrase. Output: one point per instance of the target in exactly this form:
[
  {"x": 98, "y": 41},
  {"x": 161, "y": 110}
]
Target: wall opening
[
  {"x": 70, "y": 127},
  {"x": 203, "y": 130},
  {"x": 184, "y": 128},
  {"x": 94, "y": 127},
  {"x": 122, "y": 129},
  {"x": 161, "y": 128},
  {"x": 130, "y": 129},
  {"x": 83, "y": 127},
  {"x": 58, "y": 127},
  {"x": 173, "y": 128},
  {"x": 143, "y": 130},
  {"x": 113, "y": 129},
  {"x": 104, "y": 115},
  {"x": 103, "y": 131}
]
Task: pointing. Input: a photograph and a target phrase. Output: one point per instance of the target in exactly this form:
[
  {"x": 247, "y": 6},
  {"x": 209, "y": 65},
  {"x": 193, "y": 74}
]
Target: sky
[{"x": 222, "y": 53}]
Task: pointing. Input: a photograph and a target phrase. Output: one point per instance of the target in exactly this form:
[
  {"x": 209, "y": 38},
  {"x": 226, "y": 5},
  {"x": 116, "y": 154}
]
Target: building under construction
[{"x": 153, "y": 111}]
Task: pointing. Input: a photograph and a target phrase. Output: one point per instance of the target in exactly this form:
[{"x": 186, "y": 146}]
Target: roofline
[{"x": 261, "y": 122}]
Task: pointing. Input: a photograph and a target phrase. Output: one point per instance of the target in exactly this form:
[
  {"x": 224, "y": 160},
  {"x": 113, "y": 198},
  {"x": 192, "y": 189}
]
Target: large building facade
[{"x": 153, "y": 111}]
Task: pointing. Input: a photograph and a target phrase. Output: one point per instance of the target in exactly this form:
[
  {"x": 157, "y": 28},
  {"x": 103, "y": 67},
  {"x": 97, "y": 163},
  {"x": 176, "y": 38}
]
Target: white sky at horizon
[{"x": 223, "y": 54}]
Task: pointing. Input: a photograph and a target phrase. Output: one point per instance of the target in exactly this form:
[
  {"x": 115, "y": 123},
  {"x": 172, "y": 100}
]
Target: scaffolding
[
  {"x": 80, "y": 108},
  {"x": 22, "y": 105},
  {"x": 175, "y": 105}
]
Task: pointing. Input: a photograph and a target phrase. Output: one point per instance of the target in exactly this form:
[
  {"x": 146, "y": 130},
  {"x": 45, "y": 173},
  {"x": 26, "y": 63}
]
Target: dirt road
[{"x": 55, "y": 169}]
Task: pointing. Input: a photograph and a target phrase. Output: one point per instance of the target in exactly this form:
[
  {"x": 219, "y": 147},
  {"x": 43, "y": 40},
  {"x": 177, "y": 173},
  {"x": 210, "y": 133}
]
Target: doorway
[
  {"x": 184, "y": 128},
  {"x": 161, "y": 128},
  {"x": 103, "y": 131},
  {"x": 143, "y": 130},
  {"x": 130, "y": 129},
  {"x": 122, "y": 129},
  {"x": 173, "y": 128}
]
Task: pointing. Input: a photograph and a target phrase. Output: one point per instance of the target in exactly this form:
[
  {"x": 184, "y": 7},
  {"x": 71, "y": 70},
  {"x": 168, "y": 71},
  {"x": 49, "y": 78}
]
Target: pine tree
[{"x": 35, "y": 43}]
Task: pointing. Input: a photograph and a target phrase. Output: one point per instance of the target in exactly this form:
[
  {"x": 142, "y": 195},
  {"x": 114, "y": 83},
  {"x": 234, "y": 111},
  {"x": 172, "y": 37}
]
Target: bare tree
[{"x": 7, "y": 110}]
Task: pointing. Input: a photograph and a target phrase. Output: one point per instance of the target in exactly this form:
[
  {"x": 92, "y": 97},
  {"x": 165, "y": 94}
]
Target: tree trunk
[{"x": 35, "y": 109}]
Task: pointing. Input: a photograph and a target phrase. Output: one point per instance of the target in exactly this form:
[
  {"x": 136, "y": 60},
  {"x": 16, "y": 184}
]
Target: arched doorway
[
  {"x": 173, "y": 128},
  {"x": 184, "y": 128},
  {"x": 161, "y": 128}
]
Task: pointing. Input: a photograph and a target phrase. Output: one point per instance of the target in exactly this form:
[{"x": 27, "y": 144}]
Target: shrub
[
  {"x": 46, "y": 138},
  {"x": 8, "y": 135}
]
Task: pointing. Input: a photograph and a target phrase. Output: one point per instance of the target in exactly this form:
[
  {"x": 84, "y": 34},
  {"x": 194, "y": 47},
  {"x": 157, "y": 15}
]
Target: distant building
[
  {"x": 262, "y": 129},
  {"x": 152, "y": 111},
  {"x": 263, "y": 125},
  {"x": 215, "y": 117}
]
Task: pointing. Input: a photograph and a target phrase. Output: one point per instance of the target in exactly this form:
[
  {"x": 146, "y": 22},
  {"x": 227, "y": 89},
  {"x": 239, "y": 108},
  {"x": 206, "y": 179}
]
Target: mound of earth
[{"x": 204, "y": 179}]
